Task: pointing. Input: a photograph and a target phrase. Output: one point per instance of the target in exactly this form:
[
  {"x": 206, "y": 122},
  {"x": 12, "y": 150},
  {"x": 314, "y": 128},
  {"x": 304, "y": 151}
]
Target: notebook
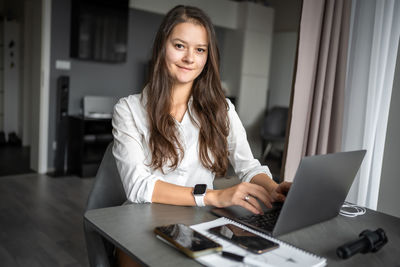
[
  {"x": 320, "y": 187},
  {"x": 284, "y": 256}
]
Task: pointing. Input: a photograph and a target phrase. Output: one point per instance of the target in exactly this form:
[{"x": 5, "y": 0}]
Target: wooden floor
[{"x": 41, "y": 220}]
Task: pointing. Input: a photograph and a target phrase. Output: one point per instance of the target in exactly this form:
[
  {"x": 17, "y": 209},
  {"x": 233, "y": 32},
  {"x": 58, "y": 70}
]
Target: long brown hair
[{"x": 209, "y": 104}]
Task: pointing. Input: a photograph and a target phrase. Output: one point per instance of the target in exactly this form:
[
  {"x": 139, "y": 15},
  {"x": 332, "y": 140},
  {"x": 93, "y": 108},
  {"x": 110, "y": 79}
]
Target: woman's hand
[
  {"x": 280, "y": 192},
  {"x": 238, "y": 194}
]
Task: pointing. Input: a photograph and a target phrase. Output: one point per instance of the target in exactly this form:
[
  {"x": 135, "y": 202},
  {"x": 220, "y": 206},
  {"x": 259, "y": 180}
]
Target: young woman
[{"x": 181, "y": 131}]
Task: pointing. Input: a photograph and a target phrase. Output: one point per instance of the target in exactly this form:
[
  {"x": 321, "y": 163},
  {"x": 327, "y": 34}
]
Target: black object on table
[{"x": 369, "y": 241}]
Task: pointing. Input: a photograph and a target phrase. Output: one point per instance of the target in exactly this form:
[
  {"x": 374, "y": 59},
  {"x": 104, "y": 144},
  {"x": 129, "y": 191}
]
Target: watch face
[{"x": 200, "y": 189}]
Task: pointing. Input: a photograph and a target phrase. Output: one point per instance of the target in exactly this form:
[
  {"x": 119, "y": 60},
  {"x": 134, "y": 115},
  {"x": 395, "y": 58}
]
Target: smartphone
[
  {"x": 244, "y": 238},
  {"x": 187, "y": 240}
]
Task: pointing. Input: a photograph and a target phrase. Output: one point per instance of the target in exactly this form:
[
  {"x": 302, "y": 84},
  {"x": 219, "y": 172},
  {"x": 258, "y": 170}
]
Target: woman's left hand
[{"x": 280, "y": 192}]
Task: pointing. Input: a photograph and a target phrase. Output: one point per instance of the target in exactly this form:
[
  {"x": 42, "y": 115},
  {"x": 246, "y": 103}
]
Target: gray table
[{"x": 131, "y": 227}]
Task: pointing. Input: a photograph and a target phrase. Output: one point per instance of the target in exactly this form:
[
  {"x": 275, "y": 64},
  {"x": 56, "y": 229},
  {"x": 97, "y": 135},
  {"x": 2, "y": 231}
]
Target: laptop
[{"x": 320, "y": 187}]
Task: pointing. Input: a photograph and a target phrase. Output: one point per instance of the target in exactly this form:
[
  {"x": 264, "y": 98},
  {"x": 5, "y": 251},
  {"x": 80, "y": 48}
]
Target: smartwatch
[{"x": 199, "y": 192}]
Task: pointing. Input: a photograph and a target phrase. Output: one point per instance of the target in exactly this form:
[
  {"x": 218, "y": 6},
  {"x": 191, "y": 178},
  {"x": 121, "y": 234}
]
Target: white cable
[{"x": 351, "y": 210}]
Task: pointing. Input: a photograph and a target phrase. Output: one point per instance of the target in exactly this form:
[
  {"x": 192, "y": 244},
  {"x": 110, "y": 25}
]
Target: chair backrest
[
  {"x": 107, "y": 191},
  {"x": 274, "y": 123}
]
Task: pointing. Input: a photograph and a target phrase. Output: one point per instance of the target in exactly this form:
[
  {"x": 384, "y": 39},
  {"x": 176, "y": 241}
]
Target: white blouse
[{"x": 132, "y": 153}]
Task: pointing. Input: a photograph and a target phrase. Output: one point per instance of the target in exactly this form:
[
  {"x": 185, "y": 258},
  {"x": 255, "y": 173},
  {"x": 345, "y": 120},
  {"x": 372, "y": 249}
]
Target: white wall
[
  {"x": 256, "y": 24},
  {"x": 232, "y": 44},
  {"x": 27, "y": 74},
  {"x": 11, "y": 78},
  {"x": 389, "y": 196},
  {"x": 286, "y": 26},
  {"x": 282, "y": 68}
]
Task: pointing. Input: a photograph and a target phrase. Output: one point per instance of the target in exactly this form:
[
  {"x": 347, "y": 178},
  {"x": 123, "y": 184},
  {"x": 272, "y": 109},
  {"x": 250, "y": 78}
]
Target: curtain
[
  {"x": 374, "y": 41},
  {"x": 317, "y": 99}
]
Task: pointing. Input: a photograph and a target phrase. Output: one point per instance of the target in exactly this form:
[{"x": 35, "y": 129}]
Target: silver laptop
[{"x": 319, "y": 189}]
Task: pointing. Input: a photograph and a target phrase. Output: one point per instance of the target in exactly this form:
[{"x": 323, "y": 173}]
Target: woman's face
[{"x": 186, "y": 52}]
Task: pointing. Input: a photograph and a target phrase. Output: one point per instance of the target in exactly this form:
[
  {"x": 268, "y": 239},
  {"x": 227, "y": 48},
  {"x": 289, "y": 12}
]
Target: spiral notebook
[{"x": 284, "y": 256}]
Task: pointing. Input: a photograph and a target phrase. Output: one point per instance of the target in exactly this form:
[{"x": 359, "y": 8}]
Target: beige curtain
[{"x": 315, "y": 122}]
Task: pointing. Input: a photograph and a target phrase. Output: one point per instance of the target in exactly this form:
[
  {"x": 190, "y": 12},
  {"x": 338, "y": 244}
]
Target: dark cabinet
[{"x": 88, "y": 140}]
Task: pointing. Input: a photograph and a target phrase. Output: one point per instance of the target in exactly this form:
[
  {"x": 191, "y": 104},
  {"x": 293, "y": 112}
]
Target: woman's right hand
[{"x": 236, "y": 195}]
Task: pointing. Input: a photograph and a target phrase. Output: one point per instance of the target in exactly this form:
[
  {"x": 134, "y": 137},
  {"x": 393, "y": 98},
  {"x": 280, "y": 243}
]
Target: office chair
[
  {"x": 273, "y": 129},
  {"x": 107, "y": 191}
]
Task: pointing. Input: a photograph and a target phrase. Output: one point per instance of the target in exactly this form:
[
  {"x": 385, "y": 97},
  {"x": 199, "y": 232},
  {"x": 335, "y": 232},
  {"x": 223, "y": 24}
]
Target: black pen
[{"x": 243, "y": 259}]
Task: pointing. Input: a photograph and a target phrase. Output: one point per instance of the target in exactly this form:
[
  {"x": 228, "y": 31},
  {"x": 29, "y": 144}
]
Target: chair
[
  {"x": 273, "y": 129},
  {"x": 107, "y": 191}
]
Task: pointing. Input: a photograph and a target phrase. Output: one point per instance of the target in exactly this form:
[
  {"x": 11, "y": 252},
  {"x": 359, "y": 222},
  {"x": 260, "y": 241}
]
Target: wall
[
  {"x": 32, "y": 76},
  {"x": 256, "y": 26},
  {"x": 12, "y": 8},
  {"x": 10, "y": 76},
  {"x": 213, "y": 8},
  {"x": 389, "y": 197},
  {"x": 230, "y": 43},
  {"x": 97, "y": 78},
  {"x": 287, "y": 14},
  {"x": 282, "y": 68},
  {"x": 29, "y": 29},
  {"x": 286, "y": 25}
]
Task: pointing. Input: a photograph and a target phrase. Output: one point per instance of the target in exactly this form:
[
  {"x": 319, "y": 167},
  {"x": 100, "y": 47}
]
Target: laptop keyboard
[{"x": 265, "y": 221}]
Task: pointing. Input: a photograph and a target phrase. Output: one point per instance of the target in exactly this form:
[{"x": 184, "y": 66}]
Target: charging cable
[{"x": 351, "y": 210}]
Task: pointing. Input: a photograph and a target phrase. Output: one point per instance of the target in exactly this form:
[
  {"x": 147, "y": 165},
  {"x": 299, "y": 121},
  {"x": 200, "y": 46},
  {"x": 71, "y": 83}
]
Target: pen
[{"x": 243, "y": 259}]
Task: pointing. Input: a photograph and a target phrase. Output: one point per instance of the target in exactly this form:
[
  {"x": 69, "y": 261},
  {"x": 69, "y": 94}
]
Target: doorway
[{"x": 24, "y": 146}]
